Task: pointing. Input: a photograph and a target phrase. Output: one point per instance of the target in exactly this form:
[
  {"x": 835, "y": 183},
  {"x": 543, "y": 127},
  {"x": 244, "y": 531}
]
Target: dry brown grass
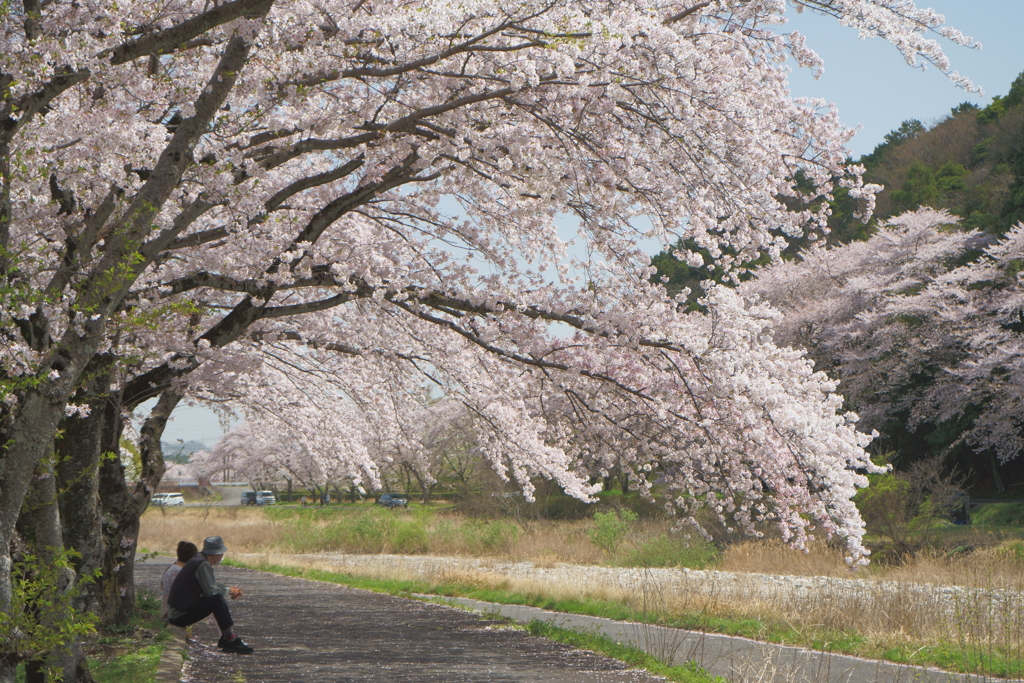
[
  {"x": 244, "y": 529},
  {"x": 775, "y": 557},
  {"x": 249, "y": 530},
  {"x": 995, "y": 566}
]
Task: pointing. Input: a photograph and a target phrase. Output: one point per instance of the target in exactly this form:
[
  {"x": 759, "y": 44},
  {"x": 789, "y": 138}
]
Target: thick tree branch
[
  {"x": 170, "y": 39},
  {"x": 166, "y": 175},
  {"x": 311, "y": 306},
  {"x": 686, "y": 12},
  {"x": 304, "y": 184},
  {"x": 222, "y": 283},
  {"x": 197, "y": 239},
  {"x": 31, "y": 104},
  {"x": 33, "y": 12}
]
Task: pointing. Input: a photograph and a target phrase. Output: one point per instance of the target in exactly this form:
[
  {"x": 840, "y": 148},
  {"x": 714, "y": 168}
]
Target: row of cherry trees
[
  {"x": 923, "y": 324},
  {"x": 435, "y": 444},
  {"x": 234, "y": 201}
]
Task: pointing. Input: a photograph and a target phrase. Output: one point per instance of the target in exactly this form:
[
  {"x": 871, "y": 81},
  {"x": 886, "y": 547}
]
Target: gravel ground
[{"x": 726, "y": 586}]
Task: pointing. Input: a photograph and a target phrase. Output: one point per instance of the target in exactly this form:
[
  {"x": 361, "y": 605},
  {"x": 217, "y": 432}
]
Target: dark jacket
[{"x": 195, "y": 580}]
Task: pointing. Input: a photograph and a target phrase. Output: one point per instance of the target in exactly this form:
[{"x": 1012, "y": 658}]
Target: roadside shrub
[
  {"x": 41, "y": 618},
  {"x": 371, "y": 531},
  {"x": 906, "y": 507},
  {"x": 410, "y": 537},
  {"x": 610, "y": 528},
  {"x": 673, "y": 550},
  {"x": 490, "y": 536}
]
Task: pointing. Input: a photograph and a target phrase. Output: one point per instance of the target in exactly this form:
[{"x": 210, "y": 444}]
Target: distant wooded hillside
[
  {"x": 970, "y": 163},
  {"x": 178, "y": 451}
]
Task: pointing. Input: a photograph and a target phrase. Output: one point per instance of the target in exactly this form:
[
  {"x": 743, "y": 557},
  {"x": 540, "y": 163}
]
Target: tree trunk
[
  {"x": 126, "y": 506},
  {"x": 41, "y": 516},
  {"x": 1000, "y": 488},
  {"x": 85, "y": 441},
  {"x": 26, "y": 441}
]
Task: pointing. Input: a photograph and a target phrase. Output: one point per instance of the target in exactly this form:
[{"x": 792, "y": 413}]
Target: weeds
[{"x": 610, "y": 528}]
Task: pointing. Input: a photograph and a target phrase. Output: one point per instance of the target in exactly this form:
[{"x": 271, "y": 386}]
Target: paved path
[{"x": 310, "y": 631}]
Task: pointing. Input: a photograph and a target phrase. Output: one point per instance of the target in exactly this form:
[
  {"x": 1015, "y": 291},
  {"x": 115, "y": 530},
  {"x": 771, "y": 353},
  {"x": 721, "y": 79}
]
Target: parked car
[
  {"x": 258, "y": 498},
  {"x": 390, "y": 500},
  {"x": 167, "y": 499}
]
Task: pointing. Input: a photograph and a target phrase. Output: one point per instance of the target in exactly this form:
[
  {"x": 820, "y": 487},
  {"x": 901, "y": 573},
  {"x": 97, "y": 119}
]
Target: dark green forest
[{"x": 970, "y": 163}]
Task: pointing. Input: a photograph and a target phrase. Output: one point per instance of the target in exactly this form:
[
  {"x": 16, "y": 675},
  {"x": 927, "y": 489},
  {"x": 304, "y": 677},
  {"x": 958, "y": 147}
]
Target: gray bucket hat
[{"x": 214, "y": 545}]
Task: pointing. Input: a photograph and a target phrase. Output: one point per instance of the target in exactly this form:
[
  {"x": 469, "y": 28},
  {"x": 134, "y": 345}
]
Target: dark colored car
[
  {"x": 390, "y": 500},
  {"x": 258, "y": 498}
]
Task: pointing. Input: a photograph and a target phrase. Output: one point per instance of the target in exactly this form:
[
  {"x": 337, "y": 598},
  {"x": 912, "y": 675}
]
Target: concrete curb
[{"x": 173, "y": 658}]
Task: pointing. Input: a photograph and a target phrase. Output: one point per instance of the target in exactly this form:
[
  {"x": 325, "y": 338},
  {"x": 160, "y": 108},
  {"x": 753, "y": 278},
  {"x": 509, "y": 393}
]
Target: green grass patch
[
  {"x": 635, "y": 657},
  {"x": 999, "y": 514},
  {"x": 672, "y": 550},
  {"x": 130, "y": 652},
  {"x": 362, "y": 529},
  {"x": 948, "y": 656},
  {"x": 138, "y": 666}
]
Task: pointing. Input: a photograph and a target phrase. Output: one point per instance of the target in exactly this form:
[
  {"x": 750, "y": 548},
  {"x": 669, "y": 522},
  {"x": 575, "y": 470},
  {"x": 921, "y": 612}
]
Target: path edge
[{"x": 172, "y": 660}]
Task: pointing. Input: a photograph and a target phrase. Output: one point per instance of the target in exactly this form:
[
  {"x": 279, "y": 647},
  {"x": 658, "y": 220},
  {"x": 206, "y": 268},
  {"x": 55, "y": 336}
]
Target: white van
[{"x": 167, "y": 499}]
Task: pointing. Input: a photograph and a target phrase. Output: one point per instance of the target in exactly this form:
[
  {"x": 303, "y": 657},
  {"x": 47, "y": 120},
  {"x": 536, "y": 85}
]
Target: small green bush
[
  {"x": 410, "y": 537},
  {"x": 490, "y": 536},
  {"x": 1014, "y": 550},
  {"x": 674, "y": 550},
  {"x": 610, "y": 528},
  {"x": 371, "y": 531}
]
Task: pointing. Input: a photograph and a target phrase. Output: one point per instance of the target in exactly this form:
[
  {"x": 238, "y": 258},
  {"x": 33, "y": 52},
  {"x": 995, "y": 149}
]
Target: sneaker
[{"x": 237, "y": 646}]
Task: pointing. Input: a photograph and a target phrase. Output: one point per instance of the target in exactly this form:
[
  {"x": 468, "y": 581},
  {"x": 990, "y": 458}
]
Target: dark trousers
[{"x": 204, "y": 607}]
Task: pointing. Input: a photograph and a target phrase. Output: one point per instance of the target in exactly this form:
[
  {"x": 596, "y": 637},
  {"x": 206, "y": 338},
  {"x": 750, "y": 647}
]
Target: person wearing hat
[{"x": 195, "y": 594}]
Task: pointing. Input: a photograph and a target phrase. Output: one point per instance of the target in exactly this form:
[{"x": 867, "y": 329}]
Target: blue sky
[
  {"x": 874, "y": 87},
  {"x": 870, "y": 83}
]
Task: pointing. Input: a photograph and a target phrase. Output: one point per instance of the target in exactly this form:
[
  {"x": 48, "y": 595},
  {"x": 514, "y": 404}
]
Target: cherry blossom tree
[
  {"x": 438, "y": 442},
  {"x": 912, "y": 337},
  {"x": 181, "y": 182}
]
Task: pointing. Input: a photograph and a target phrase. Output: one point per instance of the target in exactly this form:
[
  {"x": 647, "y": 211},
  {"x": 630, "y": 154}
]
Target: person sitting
[
  {"x": 185, "y": 552},
  {"x": 195, "y": 594}
]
